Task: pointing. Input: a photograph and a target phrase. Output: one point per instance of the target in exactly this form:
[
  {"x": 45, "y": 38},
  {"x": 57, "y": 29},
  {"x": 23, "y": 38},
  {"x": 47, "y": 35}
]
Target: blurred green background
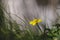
[{"x": 10, "y": 30}]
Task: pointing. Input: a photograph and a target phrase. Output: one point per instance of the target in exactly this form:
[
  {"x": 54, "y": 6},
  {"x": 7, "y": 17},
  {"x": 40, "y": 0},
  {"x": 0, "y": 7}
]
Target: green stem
[{"x": 39, "y": 27}]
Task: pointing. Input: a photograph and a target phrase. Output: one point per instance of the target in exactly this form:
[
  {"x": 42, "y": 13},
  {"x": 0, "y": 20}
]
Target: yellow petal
[
  {"x": 39, "y": 20},
  {"x": 31, "y": 22},
  {"x": 35, "y": 21},
  {"x": 34, "y": 24}
]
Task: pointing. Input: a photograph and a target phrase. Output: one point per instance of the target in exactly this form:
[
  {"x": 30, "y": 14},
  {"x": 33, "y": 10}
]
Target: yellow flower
[{"x": 35, "y": 21}]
